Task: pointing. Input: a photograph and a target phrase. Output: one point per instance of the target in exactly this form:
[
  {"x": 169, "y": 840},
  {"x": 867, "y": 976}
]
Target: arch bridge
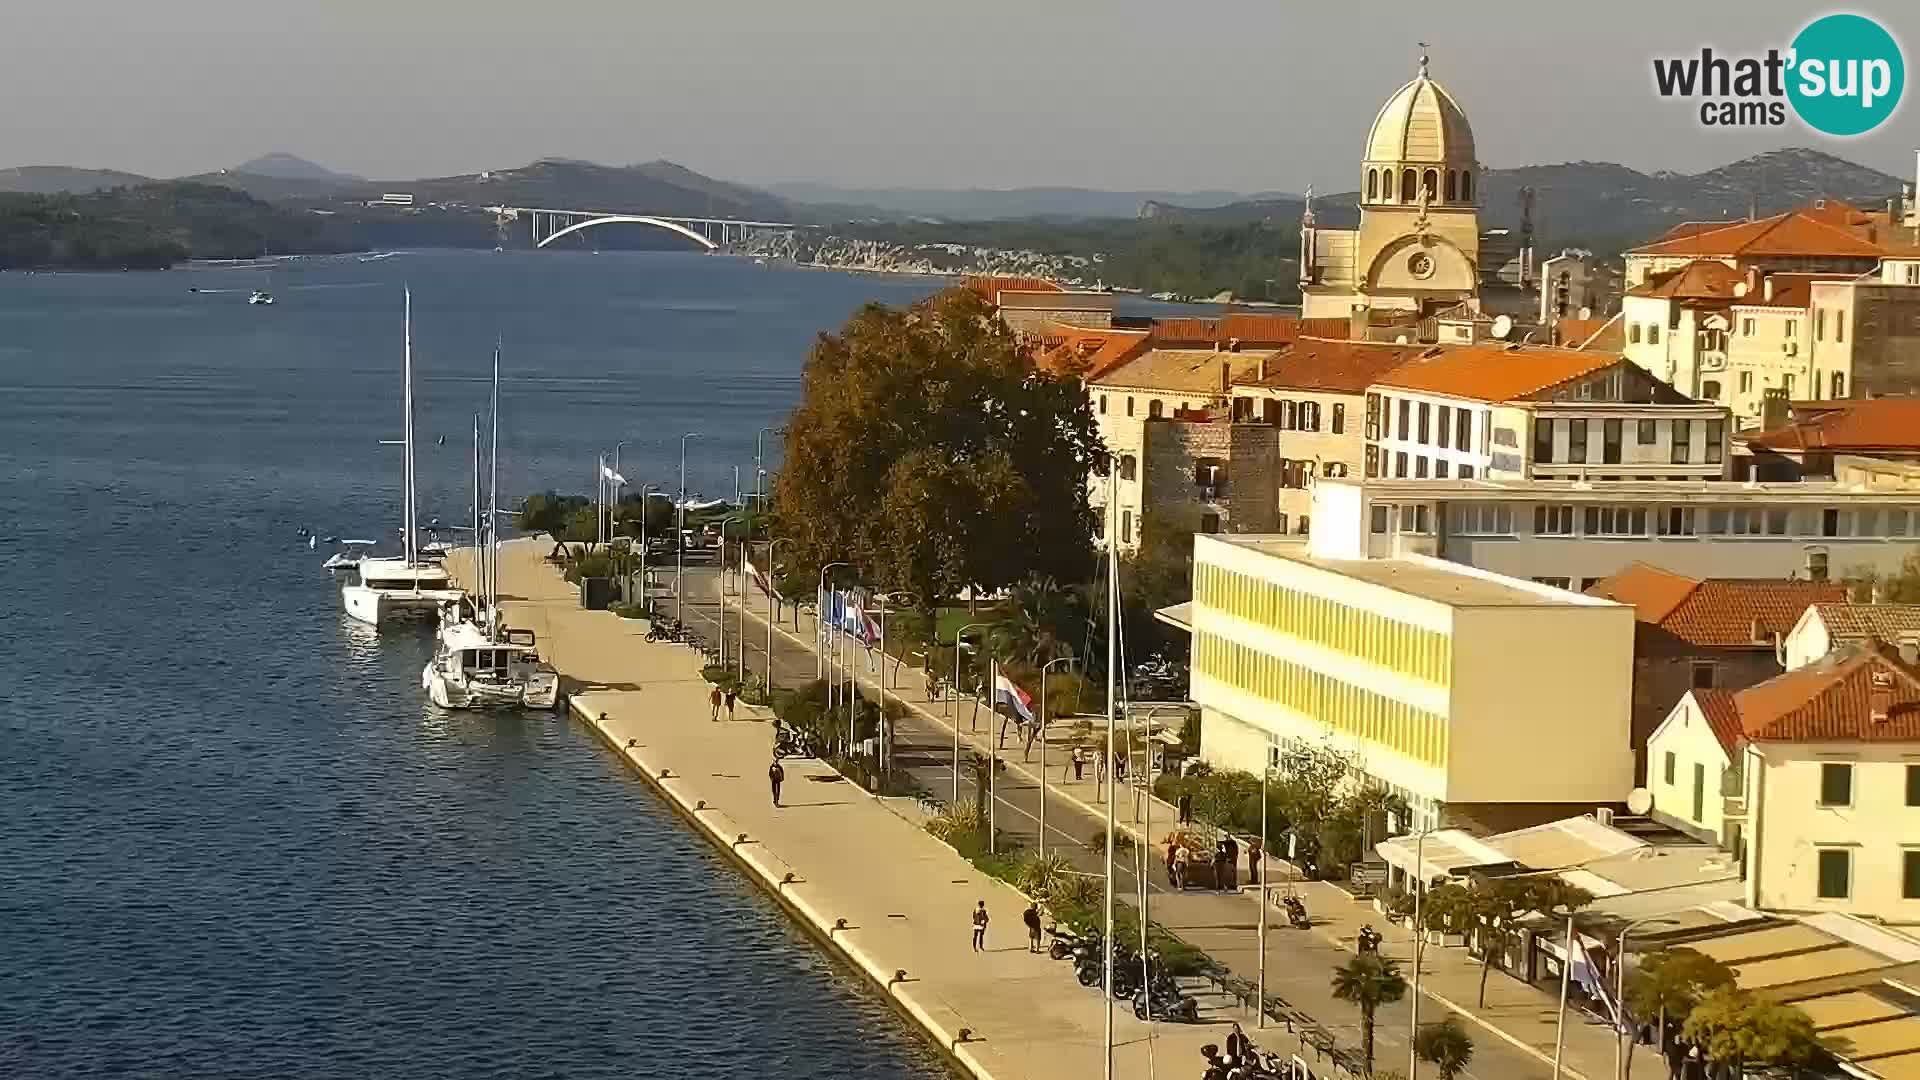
[{"x": 712, "y": 234}]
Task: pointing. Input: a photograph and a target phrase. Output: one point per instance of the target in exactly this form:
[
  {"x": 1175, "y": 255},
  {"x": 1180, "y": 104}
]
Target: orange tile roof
[
  {"x": 1789, "y": 290},
  {"x": 1249, "y": 330},
  {"x": 1858, "y": 426},
  {"x": 1723, "y": 718},
  {"x": 1572, "y": 333},
  {"x": 1794, "y": 233},
  {"x": 1086, "y": 352},
  {"x": 1495, "y": 372},
  {"x": 1702, "y": 279},
  {"x": 990, "y": 286},
  {"x": 1340, "y": 366},
  {"x": 1717, "y": 613},
  {"x": 1831, "y": 699}
]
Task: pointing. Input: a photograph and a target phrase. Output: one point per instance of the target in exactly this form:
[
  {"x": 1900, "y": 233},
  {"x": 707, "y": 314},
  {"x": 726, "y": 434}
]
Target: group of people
[
  {"x": 1030, "y": 917},
  {"x": 1082, "y": 757},
  {"x": 1226, "y": 856},
  {"x": 719, "y": 699}
]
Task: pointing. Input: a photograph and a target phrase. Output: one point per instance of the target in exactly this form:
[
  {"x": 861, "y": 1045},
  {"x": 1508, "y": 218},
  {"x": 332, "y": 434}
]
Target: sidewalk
[
  {"x": 1299, "y": 965},
  {"x": 868, "y": 881}
]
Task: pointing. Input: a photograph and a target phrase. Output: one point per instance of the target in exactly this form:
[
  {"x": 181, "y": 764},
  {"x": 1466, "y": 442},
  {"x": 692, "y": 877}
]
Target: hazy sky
[{"x": 1266, "y": 95}]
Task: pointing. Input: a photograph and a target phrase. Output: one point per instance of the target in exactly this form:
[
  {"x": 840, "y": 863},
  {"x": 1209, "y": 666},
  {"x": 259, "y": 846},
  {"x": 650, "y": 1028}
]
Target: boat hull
[
  {"x": 539, "y": 691},
  {"x": 375, "y": 606}
]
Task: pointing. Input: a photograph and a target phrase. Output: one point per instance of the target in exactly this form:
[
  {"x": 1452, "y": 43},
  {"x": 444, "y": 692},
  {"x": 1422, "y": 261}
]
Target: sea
[{"x": 235, "y": 839}]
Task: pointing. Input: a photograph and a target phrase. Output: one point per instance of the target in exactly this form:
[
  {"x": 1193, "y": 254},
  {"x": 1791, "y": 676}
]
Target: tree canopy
[
  {"x": 928, "y": 454},
  {"x": 1367, "y": 982},
  {"x": 1733, "y": 1027}
]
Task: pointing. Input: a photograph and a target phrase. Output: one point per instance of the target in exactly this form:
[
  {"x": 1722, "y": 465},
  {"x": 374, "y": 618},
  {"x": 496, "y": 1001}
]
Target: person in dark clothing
[
  {"x": 714, "y": 699},
  {"x": 980, "y": 927},
  {"x": 1229, "y": 864},
  {"x": 1186, "y": 808},
  {"x": 1253, "y": 862},
  {"x": 1079, "y": 763},
  {"x": 1032, "y": 918},
  {"x": 775, "y": 776},
  {"x": 730, "y": 696}
]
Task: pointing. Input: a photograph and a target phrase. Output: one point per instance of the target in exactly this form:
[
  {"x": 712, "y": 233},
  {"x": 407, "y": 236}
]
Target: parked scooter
[
  {"x": 1064, "y": 943},
  {"x": 1165, "y": 1003},
  {"x": 1297, "y": 913}
]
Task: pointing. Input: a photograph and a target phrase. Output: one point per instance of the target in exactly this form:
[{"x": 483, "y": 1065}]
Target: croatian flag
[
  {"x": 1005, "y": 692},
  {"x": 855, "y": 622},
  {"x": 759, "y": 578}
]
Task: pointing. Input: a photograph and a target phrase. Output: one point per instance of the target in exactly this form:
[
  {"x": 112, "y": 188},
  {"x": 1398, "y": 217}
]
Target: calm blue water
[{"x": 234, "y": 839}]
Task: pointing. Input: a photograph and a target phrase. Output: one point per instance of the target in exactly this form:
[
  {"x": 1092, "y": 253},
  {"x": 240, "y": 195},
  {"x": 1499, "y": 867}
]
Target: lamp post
[
  {"x": 771, "y": 612},
  {"x": 679, "y": 536},
  {"x": 1622, "y": 1058},
  {"x": 820, "y": 658},
  {"x": 759, "y": 468},
  {"x": 1419, "y": 939},
  {"x": 646, "y": 598},
  {"x": 1266, "y": 770},
  {"x": 957, "y": 638},
  {"x": 1566, "y": 978},
  {"x": 613, "y": 504},
  {"x": 723, "y": 592},
  {"x": 1043, "y": 748}
]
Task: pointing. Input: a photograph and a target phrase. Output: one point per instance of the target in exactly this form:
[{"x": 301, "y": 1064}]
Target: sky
[{"x": 1246, "y": 95}]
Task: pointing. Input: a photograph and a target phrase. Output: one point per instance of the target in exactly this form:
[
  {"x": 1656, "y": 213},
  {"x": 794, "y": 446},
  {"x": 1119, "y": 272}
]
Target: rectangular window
[
  {"x": 1610, "y": 436},
  {"x": 1339, "y": 418},
  {"x": 1129, "y": 405},
  {"x": 1126, "y": 526},
  {"x": 1839, "y": 384},
  {"x": 1543, "y": 442},
  {"x": 1913, "y": 785},
  {"x": 1615, "y": 521},
  {"x": 1910, "y": 875},
  {"x": 1577, "y": 441},
  {"x": 1553, "y": 520},
  {"x": 1836, "y": 783},
  {"x": 1746, "y": 382},
  {"x": 1445, "y": 429},
  {"x": 1716, "y": 441},
  {"x": 1209, "y": 523},
  {"x": 1380, "y": 516},
  {"x": 1400, "y": 464},
  {"x": 1682, "y": 443},
  {"x": 1829, "y": 523},
  {"x": 1103, "y": 404},
  {"x": 1793, "y": 327},
  {"x": 1706, "y": 674},
  {"x": 1819, "y": 324},
  {"x": 1746, "y": 327},
  {"x": 1786, "y": 383},
  {"x": 1466, "y": 472},
  {"x": 1440, "y": 467},
  {"x": 1653, "y": 333},
  {"x": 1405, "y": 417},
  {"x": 1676, "y": 521},
  {"x": 1646, "y": 435},
  {"x": 1699, "y": 791},
  {"x": 1283, "y": 523},
  {"x": 1463, "y": 430},
  {"x": 1633, "y": 333},
  {"x": 1840, "y": 323},
  {"x": 1836, "y": 873},
  {"x": 1426, "y": 417},
  {"x": 1420, "y": 467},
  {"x": 1669, "y": 769}
]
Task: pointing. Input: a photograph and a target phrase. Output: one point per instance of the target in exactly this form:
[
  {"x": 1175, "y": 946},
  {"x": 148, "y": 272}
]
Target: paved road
[{"x": 1299, "y": 964}]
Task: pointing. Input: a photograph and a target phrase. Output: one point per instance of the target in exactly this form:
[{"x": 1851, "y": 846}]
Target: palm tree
[
  {"x": 1368, "y": 981},
  {"x": 1444, "y": 1045},
  {"x": 1038, "y": 611}
]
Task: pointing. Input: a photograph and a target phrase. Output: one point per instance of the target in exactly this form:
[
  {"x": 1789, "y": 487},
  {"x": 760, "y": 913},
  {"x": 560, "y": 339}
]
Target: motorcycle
[
  {"x": 1297, "y": 913},
  {"x": 1064, "y": 944},
  {"x": 1162, "y": 1005},
  {"x": 1369, "y": 939}
]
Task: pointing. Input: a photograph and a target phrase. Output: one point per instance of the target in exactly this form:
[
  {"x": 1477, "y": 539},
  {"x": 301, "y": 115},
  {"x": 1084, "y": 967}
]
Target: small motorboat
[
  {"x": 260, "y": 296},
  {"x": 349, "y": 555}
]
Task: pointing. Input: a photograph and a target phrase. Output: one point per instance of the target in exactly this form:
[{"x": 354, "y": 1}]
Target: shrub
[{"x": 720, "y": 675}]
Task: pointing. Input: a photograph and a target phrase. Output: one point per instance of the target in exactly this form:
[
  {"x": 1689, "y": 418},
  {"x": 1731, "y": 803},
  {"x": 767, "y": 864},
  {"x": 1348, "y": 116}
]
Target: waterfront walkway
[
  {"x": 864, "y": 876},
  {"x": 1514, "y": 1033}
]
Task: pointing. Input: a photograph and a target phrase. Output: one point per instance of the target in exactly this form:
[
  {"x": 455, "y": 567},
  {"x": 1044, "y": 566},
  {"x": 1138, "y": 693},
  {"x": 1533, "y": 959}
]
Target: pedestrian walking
[
  {"x": 1119, "y": 767},
  {"x": 1182, "y": 863},
  {"x": 776, "y": 776},
  {"x": 980, "y": 927},
  {"x": 1254, "y": 851},
  {"x": 1230, "y": 860},
  {"x": 1186, "y": 808},
  {"x": 731, "y": 695},
  {"x": 1079, "y": 763},
  {"x": 1173, "y": 845},
  {"x": 713, "y": 699},
  {"x": 1031, "y": 917}
]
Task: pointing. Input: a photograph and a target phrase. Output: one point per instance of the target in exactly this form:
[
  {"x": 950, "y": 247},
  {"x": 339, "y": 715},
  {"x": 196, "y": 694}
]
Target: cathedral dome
[{"x": 1421, "y": 124}]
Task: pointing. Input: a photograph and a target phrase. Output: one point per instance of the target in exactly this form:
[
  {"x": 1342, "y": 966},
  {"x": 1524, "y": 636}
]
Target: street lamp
[
  {"x": 680, "y": 537},
  {"x": 723, "y": 592},
  {"x": 1621, "y": 1058},
  {"x": 1419, "y": 940},
  {"x": 954, "y": 694},
  {"x": 1043, "y": 749},
  {"x": 646, "y": 598},
  {"x": 772, "y": 614},
  {"x": 759, "y": 469}
]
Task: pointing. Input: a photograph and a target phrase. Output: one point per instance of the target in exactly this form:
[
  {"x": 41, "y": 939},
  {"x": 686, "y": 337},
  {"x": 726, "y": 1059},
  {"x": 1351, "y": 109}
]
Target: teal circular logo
[{"x": 1846, "y": 75}]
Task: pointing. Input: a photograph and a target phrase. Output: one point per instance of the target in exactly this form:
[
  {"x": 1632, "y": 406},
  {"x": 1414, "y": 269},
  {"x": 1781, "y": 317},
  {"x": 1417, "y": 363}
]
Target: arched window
[
  {"x": 1153, "y": 409},
  {"x": 1406, "y": 185},
  {"x": 1453, "y": 180},
  {"x": 1373, "y": 184},
  {"x": 1386, "y": 185},
  {"x": 1466, "y": 185},
  {"x": 1432, "y": 183}
]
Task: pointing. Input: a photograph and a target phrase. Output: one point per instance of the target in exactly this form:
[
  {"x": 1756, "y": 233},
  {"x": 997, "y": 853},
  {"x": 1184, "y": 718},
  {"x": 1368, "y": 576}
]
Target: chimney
[
  {"x": 1260, "y": 370},
  {"x": 1910, "y": 652},
  {"x": 1753, "y": 280},
  {"x": 1233, "y": 344},
  {"x": 1766, "y": 288},
  {"x": 1880, "y": 698},
  {"x": 1816, "y": 564}
]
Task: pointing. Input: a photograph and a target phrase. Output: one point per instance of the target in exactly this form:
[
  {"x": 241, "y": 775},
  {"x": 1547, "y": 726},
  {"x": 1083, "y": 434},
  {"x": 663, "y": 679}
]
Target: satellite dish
[
  {"x": 1739, "y": 288},
  {"x": 1586, "y": 313},
  {"x": 1502, "y": 326},
  {"x": 1639, "y": 800},
  {"x": 1401, "y": 340}
]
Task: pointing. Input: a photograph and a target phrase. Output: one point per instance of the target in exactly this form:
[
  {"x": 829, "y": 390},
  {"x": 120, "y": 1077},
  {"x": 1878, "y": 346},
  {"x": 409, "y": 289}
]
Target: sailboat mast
[
  {"x": 493, "y": 501},
  {"x": 407, "y": 519},
  {"x": 479, "y": 552},
  {"x": 1113, "y": 641}
]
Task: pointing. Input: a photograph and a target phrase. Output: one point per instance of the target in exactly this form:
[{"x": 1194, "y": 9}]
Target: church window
[
  {"x": 1386, "y": 184},
  {"x": 1431, "y": 181},
  {"x": 1373, "y": 184},
  {"x": 1406, "y": 185},
  {"x": 1466, "y": 185},
  {"x": 1452, "y": 182}
]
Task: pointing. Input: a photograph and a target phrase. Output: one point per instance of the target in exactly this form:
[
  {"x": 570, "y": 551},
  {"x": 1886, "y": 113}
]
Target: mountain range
[{"x": 1598, "y": 205}]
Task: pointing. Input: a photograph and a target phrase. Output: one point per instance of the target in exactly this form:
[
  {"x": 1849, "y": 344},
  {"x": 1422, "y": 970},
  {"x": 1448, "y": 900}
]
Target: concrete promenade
[
  {"x": 1514, "y": 1031},
  {"x": 857, "y": 871}
]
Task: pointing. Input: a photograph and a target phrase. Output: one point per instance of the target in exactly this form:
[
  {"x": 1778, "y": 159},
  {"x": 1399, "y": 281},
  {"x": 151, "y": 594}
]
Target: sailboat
[
  {"x": 478, "y": 661},
  {"x": 408, "y": 586}
]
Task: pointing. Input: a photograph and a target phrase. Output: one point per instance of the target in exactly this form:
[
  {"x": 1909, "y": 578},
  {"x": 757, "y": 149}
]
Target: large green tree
[
  {"x": 927, "y": 452},
  {"x": 1667, "y": 985},
  {"x": 1367, "y": 982},
  {"x": 1735, "y": 1029}
]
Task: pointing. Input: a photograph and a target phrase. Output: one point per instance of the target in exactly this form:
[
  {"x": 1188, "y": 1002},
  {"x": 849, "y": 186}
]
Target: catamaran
[
  {"x": 478, "y": 662},
  {"x": 408, "y": 586}
]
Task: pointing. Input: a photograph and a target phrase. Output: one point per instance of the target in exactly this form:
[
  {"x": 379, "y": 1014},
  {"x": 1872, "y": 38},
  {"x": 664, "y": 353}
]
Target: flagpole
[
  {"x": 1566, "y": 977},
  {"x": 1113, "y": 612},
  {"x": 993, "y": 755}
]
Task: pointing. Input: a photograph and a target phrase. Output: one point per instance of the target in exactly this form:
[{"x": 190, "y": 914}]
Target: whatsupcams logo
[{"x": 1843, "y": 75}]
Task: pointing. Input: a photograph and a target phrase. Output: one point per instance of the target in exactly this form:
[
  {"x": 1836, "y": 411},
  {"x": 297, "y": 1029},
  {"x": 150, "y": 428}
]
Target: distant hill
[
  {"x": 656, "y": 186},
  {"x": 1610, "y": 207},
  {"x": 306, "y": 190},
  {"x": 283, "y": 166},
  {"x": 51, "y": 179},
  {"x": 154, "y": 225},
  {"x": 987, "y": 204}
]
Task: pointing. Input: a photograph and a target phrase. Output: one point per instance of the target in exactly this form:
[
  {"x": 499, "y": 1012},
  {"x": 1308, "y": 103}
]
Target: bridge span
[{"x": 711, "y": 233}]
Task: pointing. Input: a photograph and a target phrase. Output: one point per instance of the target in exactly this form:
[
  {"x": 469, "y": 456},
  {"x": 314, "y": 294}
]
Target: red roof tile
[
  {"x": 1086, "y": 352},
  {"x": 1834, "y": 698},
  {"x": 991, "y": 286},
  {"x": 1789, "y": 290},
  {"x": 1495, "y": 372},
  {"x": 1723, "y": 718},
  {"x": 1858, "y": 426},
  {"x": 1719, "y": 613},
  {"x": 1572, "y": 333},
  {"x": 1794, "y": 233},
  {"x": 1253, "y": 331},
  {"x": 1338, "y": 366},
  {"x": 1702, "y": 279}
]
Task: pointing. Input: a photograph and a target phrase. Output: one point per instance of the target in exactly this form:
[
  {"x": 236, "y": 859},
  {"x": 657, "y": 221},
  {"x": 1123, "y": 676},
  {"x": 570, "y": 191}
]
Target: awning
[
  {"x": 1179, "y": 616},
  {"x": 1442, "y": 853}
]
